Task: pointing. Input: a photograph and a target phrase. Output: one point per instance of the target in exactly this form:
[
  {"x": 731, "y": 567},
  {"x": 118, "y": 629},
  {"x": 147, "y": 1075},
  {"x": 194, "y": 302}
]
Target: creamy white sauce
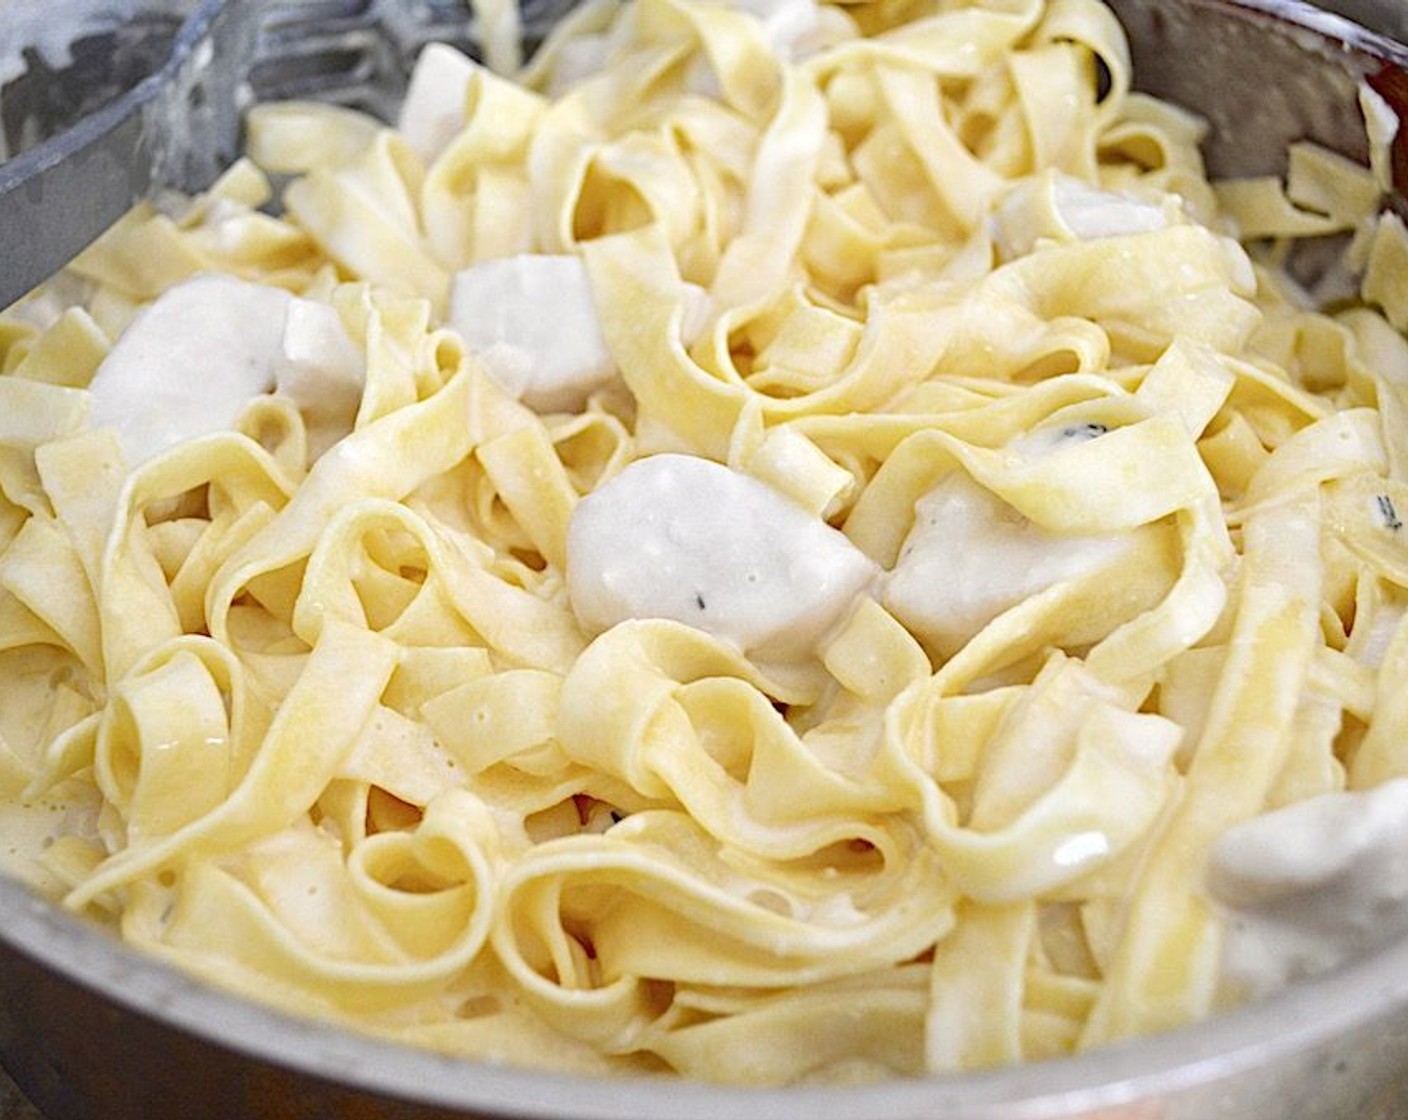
[
  {"x": 1382, "y": 124},
  {"x": 319, "y": 368},
  {"x": 582, "y": 57},
  {"x": 970, "y": 556},
  {"x": 791, "y": 26},
  {"x": 532, "y": 321},
  {"x": 1310, "y": 886},
  {"x": 1068, "y": 209},
  {"x": 436, "y": 100},
  {"x": 1053, "y": 437},
  {"x": 683, "y": 538},
  {"x": 50, "y": 30},
  {"x": 191, "y": 363},
  {"x": 30, "y": 828}
]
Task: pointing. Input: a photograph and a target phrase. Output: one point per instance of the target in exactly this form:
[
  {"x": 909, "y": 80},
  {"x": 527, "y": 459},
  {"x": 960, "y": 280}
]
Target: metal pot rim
[{"x": 1294, "y": 1021}]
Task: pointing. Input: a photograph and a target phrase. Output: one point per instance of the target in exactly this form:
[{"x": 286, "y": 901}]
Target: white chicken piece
[
  {"x": 190, "y": 363},
  {"x": 532, "y": 321},
  {"x": 790, "y": 25},
  {"x": 683, "y": 538},
  {"x": 970, "y": 556},
  {"x": 1062, "y": 208},
  {"x": 433, "y": 112},
  {"x": 1311, "y": 885}
]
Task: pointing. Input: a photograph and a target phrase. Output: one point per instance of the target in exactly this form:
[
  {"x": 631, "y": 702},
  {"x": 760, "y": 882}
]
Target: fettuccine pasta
[{"x": 772, "y": 542}]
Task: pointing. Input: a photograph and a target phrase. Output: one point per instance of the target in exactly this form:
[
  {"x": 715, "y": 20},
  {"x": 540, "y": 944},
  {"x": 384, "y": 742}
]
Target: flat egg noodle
[
  {"x": 673, "y": 736},
  {"x": 1165, "y": 967},
  {"x": 1377, "y": 366},
  {"x": 244, "y": 487},
  {"x": 981, "y": 965},
  {"x": 364, "y": 215},
  {"x": 1063, "y": 106},
  {"x": 667, "y": 893},
  {"x": 371, "y": 463},
  {"x": 475, "y": 201},
  {"x": 168, "y": 750},
  {"x": 758, "y": 258},
  {"x": 43, "y": 573},
  {"x": 285, "y": 776},
  {"x": 918, "y": 333},
  {"x": 35, "y": 413},
  {"x": 67, "y": 354},
  {"x": 818, "y": 1024},
  {"x": 511, "y": 620},
  {"x": 1380, "y": 755},
  {"x": 534, "y": 484},
  {"x": 414, "y": 910},
  {"x": 1112, "y": 787}
]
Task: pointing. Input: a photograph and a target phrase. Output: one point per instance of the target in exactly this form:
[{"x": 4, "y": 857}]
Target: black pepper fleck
[
  {"x": 699, "y": 600},
  {"x": 1388, "y": 512},
  {"x": 1085, "y": 431}
]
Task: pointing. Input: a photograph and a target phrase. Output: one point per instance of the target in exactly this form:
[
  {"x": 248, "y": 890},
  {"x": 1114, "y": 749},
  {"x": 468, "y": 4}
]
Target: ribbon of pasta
[
  {"x": 313, "y": 729},
  {"x": 413, "y": 909},
  {"x": 385, "y": 459},
  {"x": 169, "y": 750},
  {"x": 679, "y": 716},
  {"x": 592, "y": 926},
  {"x": 1101, "y": 781},
  {"x": 869, "y": 1025},
  {"x": 460, "y": 602},
  {"x": 1165, "y": 967},
  {"x": 244, "y": 486}
]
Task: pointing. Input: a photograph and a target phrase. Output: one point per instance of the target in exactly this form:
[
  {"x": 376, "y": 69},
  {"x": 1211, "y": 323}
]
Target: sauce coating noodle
[{"x": 1050, "y": 534}]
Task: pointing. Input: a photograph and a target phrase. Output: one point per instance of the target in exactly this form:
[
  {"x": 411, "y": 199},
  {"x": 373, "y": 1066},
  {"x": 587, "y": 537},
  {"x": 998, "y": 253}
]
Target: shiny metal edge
[
  {"x": 1155, "y": 1069},
  {"x": 57, "y": 197},
  {"x": 1328, "y": 24}
]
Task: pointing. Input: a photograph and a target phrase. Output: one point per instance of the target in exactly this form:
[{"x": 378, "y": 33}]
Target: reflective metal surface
[
  {"x": 176, "y": 126},
  {"x": 152, "y": 97},
  {"x": 91, "y": 1030}
]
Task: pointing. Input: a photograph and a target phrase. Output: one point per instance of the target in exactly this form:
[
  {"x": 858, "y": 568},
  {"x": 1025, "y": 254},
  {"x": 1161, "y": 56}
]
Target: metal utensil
[{"x": 179, "y": 126}]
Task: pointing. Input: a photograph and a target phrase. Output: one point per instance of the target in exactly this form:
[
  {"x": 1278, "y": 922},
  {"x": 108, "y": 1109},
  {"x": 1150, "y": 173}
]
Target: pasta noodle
[{"x": 772, "y": 542}]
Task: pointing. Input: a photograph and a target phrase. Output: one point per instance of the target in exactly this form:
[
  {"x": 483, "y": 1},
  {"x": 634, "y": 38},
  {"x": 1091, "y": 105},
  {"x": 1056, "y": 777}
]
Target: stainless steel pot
[{"x": 89, "y": 1029}]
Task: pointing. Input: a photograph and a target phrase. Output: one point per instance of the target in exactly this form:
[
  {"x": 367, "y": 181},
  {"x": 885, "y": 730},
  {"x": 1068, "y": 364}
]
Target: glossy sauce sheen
[
  {"x": 970, "y": 556},
  {"x": 1060, "y": 207},
  {"x": 682, "y": 538},
  {"x": 234, "y": 341},
  {"x": 531, "y": 320},
  {"x": 1313, "y": 885}
]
